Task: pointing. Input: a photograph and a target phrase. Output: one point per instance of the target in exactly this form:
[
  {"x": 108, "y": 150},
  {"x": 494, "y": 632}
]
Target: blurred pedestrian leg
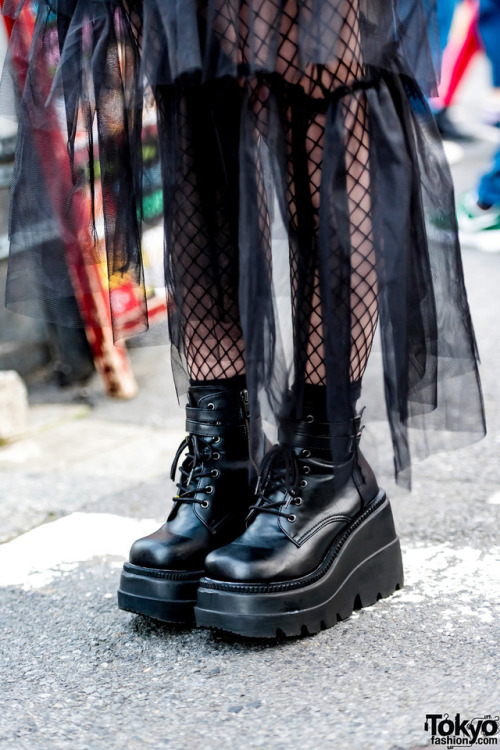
[
  {"x": 489, "y": 186},
  {"x": 489, "y": 28},
  {"x": 446, "y": 10},
  {"x": 479, "y": 210},
  {"x": 451, "y": 54}
]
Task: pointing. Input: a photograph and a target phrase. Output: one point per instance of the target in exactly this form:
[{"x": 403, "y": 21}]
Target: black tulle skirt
[{"x": 231, "y": 93}]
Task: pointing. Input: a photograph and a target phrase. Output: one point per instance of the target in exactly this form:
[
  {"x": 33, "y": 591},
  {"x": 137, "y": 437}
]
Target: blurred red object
[{"x": 462, "y": 46}]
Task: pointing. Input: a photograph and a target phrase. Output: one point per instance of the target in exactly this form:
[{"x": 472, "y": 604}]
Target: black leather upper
[
  {"x": 298, "y": 517},
  {"x": 214, "y": 494}
]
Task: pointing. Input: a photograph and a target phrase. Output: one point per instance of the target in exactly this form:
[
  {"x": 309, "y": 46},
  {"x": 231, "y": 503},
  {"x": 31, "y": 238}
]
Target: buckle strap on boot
[
  {"x": 215, "y": 429},
  {"x": 216, "y": 422},
  {"x": 319, "y": 436},
  {"x": 207, "y": 414}
]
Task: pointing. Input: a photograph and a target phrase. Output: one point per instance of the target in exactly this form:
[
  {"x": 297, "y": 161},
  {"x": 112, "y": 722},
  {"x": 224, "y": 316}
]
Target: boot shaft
[
  {"x": 220, "y": 413},
  {"x": 213, "y": 485}
]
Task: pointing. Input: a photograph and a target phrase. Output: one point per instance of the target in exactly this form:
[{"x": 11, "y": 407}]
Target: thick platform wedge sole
[
  {"x": 363, "y": 566},
  {"x": 168, "y": 596}
]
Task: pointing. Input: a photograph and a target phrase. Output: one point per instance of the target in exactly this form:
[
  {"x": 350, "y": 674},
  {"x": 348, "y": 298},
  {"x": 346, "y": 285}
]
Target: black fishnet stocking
[
  {"x": 304, "y": 114},
  {"x": 203, "y": 226},
  {"x": 362, "y": 303},
  {"x": 319, "y": 83},
  {"x": 202, "y": 232}
]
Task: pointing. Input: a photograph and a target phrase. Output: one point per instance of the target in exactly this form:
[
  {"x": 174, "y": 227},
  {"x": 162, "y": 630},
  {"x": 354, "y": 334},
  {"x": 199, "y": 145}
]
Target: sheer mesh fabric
[
  {"x": 202, "y": 224},
  {"x": 314, "y": 106}
]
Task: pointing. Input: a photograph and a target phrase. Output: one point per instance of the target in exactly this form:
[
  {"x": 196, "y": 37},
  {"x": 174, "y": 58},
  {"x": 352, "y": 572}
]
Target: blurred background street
[{"x": 89, "y": 475}]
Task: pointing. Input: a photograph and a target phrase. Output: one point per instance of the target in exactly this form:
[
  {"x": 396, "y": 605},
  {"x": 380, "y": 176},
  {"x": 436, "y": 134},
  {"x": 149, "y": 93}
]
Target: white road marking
[
  {"x": 38, "y": 557},
  {"x": 465, "y": 580}
]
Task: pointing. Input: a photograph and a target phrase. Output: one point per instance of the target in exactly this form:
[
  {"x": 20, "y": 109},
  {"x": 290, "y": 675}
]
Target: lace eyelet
[
  {"x": 216, "y": 456},
  {"x": 215, "y": 473},
  {"x": 210, "y": 406},
  {"x": 217, "y": 440},
  {"x": 305, "y": 454},
  {"x": 310, "y": 418},
  {"x": 303, "y": 483},
  {"x": 297, "y": 501},
  {"x": 209, "y": 490},
  {"x": 292, "y": 518},
  {"x": 205, "y": 504},
  {"x": 306, "y": 470}
]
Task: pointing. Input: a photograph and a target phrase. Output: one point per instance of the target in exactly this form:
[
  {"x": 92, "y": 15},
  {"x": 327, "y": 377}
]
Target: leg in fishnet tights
[
  {"x": 318, "y": 84},
  {"x": 305, "y": 136},
  {"x": 363, "y": 294},
  {"x": 202, "y": 232}
]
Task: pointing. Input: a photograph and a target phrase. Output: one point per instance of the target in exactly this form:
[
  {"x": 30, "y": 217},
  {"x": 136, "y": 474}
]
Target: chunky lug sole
[
  {"x": 361, "y": 567},
  {"x": 161, "y": 594}
]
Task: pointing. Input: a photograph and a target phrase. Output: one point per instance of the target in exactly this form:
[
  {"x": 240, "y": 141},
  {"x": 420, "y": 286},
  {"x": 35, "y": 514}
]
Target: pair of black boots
[{"x": 314, "y": 541}]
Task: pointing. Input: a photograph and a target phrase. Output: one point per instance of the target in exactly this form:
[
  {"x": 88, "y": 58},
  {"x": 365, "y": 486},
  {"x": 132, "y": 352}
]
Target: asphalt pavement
[{"x": 92, "y": 475}]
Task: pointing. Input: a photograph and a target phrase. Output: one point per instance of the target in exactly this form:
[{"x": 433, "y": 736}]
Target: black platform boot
[
  {"x": 320, "y": 541},
  {"x": 162, "y": 577}
]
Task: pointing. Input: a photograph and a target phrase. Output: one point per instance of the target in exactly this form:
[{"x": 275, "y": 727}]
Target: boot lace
[
  {"x": 280, "y": 474},
  {"x": 193, "y": 468}
]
